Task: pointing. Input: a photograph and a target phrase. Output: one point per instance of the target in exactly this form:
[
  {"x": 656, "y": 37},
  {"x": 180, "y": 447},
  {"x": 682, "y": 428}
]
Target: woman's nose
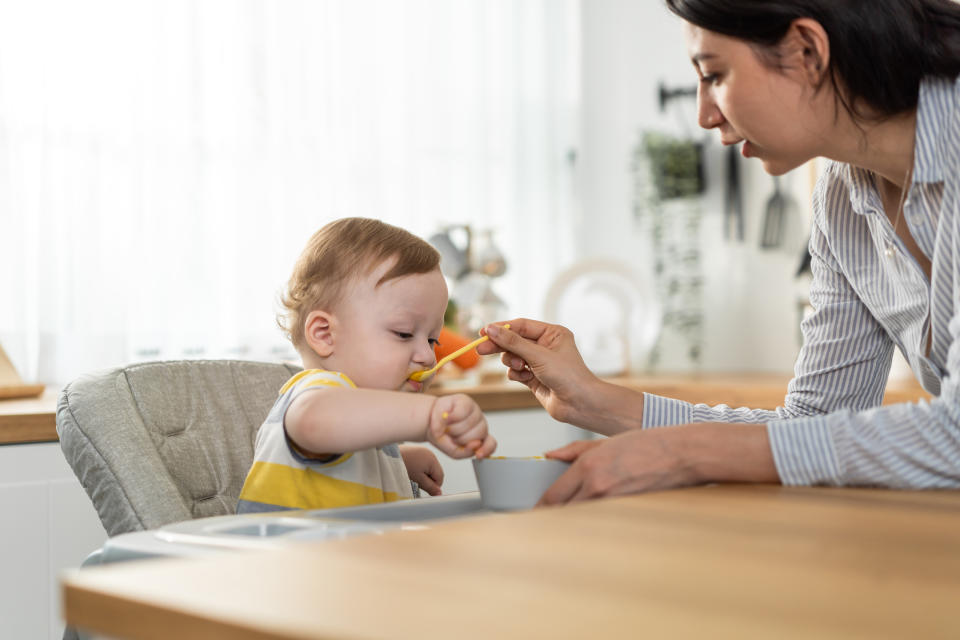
[{"x": 708, "y": 115}]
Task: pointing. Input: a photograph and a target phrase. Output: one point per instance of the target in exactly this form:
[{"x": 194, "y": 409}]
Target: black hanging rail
[{"x": 666, "y": 95}]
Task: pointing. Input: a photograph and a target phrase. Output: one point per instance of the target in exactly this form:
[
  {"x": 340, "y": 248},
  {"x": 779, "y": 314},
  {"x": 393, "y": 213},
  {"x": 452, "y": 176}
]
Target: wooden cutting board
[
  {"x": 8, "y": 392},
  {"x": 11, "y": 385}
]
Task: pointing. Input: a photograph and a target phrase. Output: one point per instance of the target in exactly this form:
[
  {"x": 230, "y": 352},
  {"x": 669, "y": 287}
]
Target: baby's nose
[{"x": 425, "y": 355}]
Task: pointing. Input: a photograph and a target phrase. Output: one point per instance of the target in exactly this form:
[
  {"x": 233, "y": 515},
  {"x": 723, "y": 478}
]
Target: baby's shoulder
[{"x": 313, "y": 378}]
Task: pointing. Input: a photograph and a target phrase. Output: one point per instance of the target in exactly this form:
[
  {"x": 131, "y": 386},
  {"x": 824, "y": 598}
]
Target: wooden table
[{"x": 708, "y": 562}]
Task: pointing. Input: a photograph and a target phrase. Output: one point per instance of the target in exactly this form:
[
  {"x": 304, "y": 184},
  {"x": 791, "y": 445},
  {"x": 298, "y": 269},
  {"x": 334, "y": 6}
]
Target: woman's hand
[
  {"x": 457, "y": 427},
  {"x": 664, "y": 458},
  {"x": 631, "y": 462},
  {"x": 423, "y": 468},
  {"x": 545, "y": 358}
]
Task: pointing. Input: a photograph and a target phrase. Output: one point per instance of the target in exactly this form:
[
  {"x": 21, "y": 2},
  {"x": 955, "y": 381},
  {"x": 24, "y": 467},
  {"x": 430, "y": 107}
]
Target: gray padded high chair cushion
[{"x": 162, "y": 442}]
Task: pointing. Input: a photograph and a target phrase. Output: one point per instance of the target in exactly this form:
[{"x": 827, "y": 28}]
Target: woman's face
[{"x": 772, "y": 111}]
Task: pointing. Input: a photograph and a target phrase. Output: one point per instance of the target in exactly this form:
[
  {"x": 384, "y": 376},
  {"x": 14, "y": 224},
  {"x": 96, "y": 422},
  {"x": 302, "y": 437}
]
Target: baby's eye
[
  {"x": 403, "y": 335},
  {"x": 434, "y": 342}
]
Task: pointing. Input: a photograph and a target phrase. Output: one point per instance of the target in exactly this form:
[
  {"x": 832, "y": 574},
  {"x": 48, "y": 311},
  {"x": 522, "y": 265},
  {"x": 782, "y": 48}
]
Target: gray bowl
[{"x": 515, "y": 483}]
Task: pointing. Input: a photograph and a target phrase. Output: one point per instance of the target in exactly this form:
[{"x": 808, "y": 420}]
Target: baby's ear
[{"x": 318, "y": 332}]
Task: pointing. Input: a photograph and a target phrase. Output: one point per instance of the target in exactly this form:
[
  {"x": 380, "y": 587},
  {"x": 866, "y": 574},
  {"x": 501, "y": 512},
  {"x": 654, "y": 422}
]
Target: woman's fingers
[
  {"x": 524, "y": 376},
  {"x": 564, "y": 489},
  {"x": 571, "y": 485},
  {"x": 513, "y": 362},
  {"x": 524, "y": 327},
  {"x": 572, "y": 451},
  {"x": 527, "y": 328},
  {"x": 514, "y": 342}
]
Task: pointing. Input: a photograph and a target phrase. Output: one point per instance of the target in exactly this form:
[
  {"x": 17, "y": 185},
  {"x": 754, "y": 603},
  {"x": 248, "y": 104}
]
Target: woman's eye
[{"x": 709, "y": 78}]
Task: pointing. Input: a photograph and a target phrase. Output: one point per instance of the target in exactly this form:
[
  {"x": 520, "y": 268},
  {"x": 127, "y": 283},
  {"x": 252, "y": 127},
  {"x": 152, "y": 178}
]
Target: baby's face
[{"x": 385, "y": 333}]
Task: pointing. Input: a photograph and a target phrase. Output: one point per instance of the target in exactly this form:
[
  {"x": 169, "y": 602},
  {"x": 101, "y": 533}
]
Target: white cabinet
[{"x": 49, "y": 525}]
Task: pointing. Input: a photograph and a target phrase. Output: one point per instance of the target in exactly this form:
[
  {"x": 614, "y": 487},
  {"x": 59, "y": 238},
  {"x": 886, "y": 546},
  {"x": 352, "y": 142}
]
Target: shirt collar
[{"x": 935, "y": 107}]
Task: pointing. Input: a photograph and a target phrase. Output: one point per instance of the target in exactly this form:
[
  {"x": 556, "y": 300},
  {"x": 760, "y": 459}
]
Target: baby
[{"x": 363, "y": 308}]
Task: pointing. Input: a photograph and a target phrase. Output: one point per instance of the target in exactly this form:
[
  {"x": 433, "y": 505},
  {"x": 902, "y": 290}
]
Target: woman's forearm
[
  {"x": 720, "y": 452},
  {"x": 609, "y": 409},
  {"x": 640, "y": 460},
  {"x": 708, "y": 452}
]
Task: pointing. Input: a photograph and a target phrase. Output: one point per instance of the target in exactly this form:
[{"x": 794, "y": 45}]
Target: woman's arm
[
  {"x": 652, "y": 459},
  {"x": 844, "y": 361},
  {"x": 845, "y": 358}
]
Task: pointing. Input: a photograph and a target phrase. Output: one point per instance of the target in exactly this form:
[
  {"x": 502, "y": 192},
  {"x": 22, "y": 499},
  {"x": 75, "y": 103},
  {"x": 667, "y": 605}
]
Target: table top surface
[{"x": 718, "y": 561}]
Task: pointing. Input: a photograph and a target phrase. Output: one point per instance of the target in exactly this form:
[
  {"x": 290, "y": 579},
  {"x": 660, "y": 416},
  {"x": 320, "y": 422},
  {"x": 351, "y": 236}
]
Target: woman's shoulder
[
  {"x": 937, "y": 152},
  {"x": 837, "y": 179}
]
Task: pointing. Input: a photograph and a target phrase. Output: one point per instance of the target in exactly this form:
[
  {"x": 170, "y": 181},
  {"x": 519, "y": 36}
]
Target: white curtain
[{"x": 162, "y": 162}]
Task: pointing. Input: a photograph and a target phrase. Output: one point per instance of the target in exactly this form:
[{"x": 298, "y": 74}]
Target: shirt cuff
[
  {"x": 804, "y": 452},
  {"x": 664, "y": 412}
]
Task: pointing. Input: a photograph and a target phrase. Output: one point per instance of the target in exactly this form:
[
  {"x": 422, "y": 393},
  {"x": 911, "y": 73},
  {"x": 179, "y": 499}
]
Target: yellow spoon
[{"x": 420, "y": 376}]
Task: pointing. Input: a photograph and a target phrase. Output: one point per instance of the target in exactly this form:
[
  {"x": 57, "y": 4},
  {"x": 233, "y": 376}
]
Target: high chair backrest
[{"x": 162, "y": 442}]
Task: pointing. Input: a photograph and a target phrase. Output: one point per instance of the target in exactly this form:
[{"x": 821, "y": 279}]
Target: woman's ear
[
  {"x": 318, "y": 331},
  {"x": 809, "y": 39}
]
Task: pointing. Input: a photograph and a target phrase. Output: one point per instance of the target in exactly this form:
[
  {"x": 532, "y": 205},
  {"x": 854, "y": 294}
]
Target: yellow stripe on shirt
[
  {"x": 309, "y": 372},
  {"x": 279, "y": 484}
]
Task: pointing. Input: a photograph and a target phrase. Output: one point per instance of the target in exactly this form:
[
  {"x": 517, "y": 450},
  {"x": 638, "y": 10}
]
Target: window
[{"x": 162, "y": 162}]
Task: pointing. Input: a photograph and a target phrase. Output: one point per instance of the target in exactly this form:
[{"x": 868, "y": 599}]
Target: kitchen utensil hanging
[
  {"x": 773, "y": 216},
  {"x": 733, "y": 196}
]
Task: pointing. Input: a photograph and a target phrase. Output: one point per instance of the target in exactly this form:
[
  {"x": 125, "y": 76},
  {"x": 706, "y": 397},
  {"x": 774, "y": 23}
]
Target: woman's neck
[{"x": 886, "y": 148}]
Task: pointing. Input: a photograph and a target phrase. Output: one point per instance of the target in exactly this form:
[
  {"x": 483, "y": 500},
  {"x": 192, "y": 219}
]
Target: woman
[{"x": 871, "y": 85}]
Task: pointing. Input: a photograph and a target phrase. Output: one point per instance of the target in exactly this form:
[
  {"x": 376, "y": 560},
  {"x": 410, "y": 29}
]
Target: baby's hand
[
  {"x": 423, "y": 468},
  {"x": 457, "y": 427}
]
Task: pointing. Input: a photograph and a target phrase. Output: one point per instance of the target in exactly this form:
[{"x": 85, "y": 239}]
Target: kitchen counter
[
  {"x": 733, "y": 561},
  {"x": 29, "y": 419},
  {"x": 34, "y": 420}
]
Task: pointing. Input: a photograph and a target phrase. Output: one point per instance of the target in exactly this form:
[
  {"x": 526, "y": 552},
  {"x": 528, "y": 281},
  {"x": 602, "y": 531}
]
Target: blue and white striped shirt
[{"x": 831, "y": 428}]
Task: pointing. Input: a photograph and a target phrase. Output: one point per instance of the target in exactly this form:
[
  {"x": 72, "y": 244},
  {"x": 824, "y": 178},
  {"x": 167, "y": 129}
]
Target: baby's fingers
[
  {"x": 488, "y": 447},
  {"x": 475, "y": 432},
  {"x": 456, "y": 450}
]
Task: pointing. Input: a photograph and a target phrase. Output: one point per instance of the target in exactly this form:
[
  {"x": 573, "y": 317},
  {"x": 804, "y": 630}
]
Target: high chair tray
[{"x": 204, "y": 536}]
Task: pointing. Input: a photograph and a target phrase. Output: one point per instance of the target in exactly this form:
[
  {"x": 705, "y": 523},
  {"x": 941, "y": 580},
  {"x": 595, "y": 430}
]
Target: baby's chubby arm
[{"x": 340, "y": 420}]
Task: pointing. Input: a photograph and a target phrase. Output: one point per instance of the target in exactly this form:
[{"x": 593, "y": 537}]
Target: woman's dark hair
[{"x": 879, "y": 49}]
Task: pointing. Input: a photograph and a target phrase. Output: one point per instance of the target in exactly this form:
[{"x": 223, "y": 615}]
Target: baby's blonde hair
[{"x": 343, "y": 250}]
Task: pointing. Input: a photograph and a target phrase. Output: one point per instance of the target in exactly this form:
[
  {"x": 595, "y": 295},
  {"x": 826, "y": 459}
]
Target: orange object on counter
[{"x": 450, "y": 341}]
